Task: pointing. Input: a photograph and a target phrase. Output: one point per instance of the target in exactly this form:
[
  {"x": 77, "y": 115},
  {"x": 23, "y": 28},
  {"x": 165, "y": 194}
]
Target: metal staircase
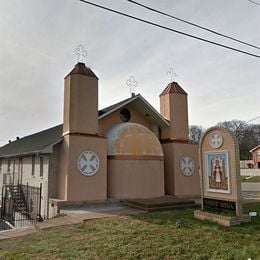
[
  {"x": 19, "y": 198},
  {"x": 21, "y": 204}
]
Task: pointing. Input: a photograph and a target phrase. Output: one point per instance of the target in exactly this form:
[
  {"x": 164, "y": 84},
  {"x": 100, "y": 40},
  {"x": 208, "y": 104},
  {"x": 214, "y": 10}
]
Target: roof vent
[
  {"x": 17, "y": 137},
  {"x": 9, "y": 141}
]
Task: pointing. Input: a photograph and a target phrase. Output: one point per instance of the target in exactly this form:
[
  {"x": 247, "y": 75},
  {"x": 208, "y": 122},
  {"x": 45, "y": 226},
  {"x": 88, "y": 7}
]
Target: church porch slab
[{"x": 161, "y": 203}]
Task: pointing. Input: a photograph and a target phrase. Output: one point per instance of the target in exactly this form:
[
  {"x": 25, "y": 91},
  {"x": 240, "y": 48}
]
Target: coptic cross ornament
[
  {"x": 81, "y": 53},
  {"x": 172, "y": 73},
  {"x": 132, "y": 84},
  {"x": 88, "y": 163}
]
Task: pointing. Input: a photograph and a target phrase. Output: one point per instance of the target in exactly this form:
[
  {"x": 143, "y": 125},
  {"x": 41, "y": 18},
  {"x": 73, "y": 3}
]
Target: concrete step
[
  {"x": 161, "y": 203},
  {"x": 158, "y": 208}
]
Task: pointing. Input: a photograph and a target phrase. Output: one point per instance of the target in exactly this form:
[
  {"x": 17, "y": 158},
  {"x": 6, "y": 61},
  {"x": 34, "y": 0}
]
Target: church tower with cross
[
  {"x": 122, "y": 152},
  {"x": 181, "y": 156},
  {"x": 82, "y": 142}
]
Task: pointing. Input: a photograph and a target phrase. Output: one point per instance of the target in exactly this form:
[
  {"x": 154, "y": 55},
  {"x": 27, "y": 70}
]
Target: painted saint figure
[{"x": 218, "y": 173}]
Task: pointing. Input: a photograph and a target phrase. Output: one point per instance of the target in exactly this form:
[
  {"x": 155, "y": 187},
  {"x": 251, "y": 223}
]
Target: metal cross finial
[
  {"x": 172, "y": 73},
  {"x": 132, "y": 83},
  {"x": 81, "y": 53}
]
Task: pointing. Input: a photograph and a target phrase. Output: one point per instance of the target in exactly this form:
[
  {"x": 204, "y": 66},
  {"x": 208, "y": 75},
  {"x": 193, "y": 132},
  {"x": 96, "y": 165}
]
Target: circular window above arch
[{"x": 125, "y": 115}]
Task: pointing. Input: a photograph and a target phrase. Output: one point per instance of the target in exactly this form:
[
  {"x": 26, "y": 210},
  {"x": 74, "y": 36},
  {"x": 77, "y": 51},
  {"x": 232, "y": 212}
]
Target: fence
[{"x": 21, "y": 204}]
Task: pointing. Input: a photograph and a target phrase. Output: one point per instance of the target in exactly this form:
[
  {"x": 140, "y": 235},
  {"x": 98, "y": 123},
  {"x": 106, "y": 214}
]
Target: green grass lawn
[
  {"x": 253, "y": 179},
  {"x": 144, "y": 236}
]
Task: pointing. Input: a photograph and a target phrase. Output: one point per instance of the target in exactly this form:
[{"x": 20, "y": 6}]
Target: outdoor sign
[{"x": 220, "y": 172}]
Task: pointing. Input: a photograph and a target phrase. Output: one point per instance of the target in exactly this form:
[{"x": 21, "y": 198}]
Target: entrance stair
[
  {"x": 160, "y": 203},
  {"x": 18, "y": 197}
]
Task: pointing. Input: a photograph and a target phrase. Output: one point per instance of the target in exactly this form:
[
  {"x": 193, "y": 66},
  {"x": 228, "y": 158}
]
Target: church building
[{"x": 125, "y": 151}]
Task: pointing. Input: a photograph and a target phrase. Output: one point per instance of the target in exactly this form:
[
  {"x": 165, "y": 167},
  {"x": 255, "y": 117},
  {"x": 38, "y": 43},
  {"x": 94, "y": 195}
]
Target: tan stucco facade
[
  {"x": 72, "y": 185},
  {"x": 176, "y": 183},
  {"x": 174, "y": 107},
  {"x": 143, "y": 178},
  {"x": 80, "y": 104},
  {"x": 135, "y": 162},
  {"x": 80, "y": 187},
  {"x": 176, "y": 144},
  {"x": 114, "y": 118}
]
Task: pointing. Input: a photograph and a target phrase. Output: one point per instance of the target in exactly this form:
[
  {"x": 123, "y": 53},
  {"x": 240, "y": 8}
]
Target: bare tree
[
  {"x": 195, "y": 133},
  {"x": 248, "y": 135}
]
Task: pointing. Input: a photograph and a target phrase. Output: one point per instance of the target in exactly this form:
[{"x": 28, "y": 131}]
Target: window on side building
[
  {"x": 8, "y": 166},
  {"x": 41, "y": 166},
  {"x": 33, "y": 166}
]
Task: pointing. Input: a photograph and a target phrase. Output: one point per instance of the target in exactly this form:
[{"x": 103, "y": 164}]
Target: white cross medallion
[
  {"x": 88, "y": 163},
  {"x": 187, "y": 165},
  {"x": 215, "y": 140}
]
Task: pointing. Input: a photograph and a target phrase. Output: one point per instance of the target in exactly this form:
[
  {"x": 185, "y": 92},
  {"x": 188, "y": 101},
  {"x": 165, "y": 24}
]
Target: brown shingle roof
[
  {"x": 173, "y": 87},
  {"x": 80, "y": 68},
  {"x": 32, "y": 144}
]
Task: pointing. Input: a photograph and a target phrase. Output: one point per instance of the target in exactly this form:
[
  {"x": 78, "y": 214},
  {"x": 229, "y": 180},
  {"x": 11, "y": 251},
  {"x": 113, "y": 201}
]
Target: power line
[
  {"x": 253, "y": 119},
  {"x": 170, "y": 29},
  {"x": 193, "y": 24},
  {"x": 254, "y": 2}
]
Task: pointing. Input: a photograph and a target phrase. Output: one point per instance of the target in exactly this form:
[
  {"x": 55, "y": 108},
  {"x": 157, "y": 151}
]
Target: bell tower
[
  {"x": 81, "y": 101},
  {"x": 174, "y": 107},
  {"x": 82, "y": 170},
  {"x": 180, "y": 155}
]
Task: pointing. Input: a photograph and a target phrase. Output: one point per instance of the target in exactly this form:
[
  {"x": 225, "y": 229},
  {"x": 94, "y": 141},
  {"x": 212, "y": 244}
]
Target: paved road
[
  {"x": 250, "y": 172},
  {"x": 246, "y": 186}
]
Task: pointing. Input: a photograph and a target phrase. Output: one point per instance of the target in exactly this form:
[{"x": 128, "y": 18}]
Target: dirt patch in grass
[{"x": 160, "y": 235}]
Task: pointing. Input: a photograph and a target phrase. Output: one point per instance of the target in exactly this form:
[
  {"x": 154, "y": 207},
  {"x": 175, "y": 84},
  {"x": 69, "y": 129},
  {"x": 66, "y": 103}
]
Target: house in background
[
  {"x": 256, "y": 156},
  {"x": 125, "y": 151}
]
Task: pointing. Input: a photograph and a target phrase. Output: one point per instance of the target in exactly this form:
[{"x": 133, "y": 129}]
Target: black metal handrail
[{"x": 22, "y": 199}]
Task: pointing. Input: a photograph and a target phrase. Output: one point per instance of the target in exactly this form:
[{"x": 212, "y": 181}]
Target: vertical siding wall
[
  {"x": 2, "y": 171},
  {"x": 35, "y": 180},
  {"x": 27, "y": 177}
]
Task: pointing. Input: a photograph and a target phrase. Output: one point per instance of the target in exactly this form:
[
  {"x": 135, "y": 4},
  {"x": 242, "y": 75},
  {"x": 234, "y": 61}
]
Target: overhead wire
[
  {"x": 252, "y": 119},
  {"x": 170, "y": 29},
  {"x": 254, "y": 2},
  {"x": 194, "y": 24}
]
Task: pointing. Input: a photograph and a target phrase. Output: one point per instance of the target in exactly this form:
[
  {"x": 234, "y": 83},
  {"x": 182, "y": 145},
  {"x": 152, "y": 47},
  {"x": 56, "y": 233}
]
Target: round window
[{"x": 125, "y": 115}]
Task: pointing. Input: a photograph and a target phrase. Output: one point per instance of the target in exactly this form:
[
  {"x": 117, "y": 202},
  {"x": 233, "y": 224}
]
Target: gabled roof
[
  {"x": 140, "y": 105},
  {"x": 255, "y": 148},
  {"x": 173, "y": 87},
  {"x": 106, "y": 110},
  {"x": 32, "y": 144},
  {"x": 42, "y": 142}
]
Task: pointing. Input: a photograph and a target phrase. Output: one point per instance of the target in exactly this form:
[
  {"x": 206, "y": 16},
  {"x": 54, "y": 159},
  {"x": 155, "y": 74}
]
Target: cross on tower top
[
  {"x": 172, "y": 73},
  {"x": 81, "y": 53}
]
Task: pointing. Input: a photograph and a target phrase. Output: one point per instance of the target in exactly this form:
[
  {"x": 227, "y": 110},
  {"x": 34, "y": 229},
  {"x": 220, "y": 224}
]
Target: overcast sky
[{"x": 38, "y": 39}]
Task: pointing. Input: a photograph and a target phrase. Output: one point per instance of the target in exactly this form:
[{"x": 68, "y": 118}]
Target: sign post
[{"x": 221, "y": 198}]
